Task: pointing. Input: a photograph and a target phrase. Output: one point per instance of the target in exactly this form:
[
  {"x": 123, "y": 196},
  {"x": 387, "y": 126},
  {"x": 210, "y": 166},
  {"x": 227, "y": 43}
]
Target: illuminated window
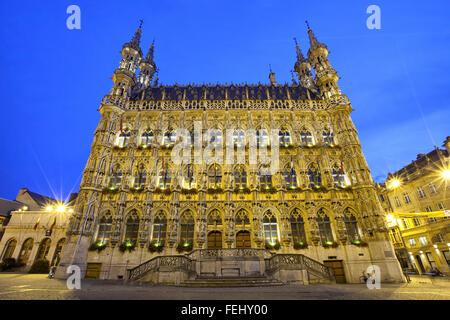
[
  {"x": 297, "y": 227},
  {"x": 240, "y": 177},
  {"x": 351, "y": 225},
  {"x": 265, "y": 178},
  {"x": 306, "y": 137},
  {"x": 116, "y": 177},
  {"x": 338, "y": 176},
  {"x": 423, "y": 241},
  {"x": 58, "y": 250},
  {"x": 315, "y": 177},
  {"x": 132, "y": 227},
  {"x": 326, "y": 235},
  {"x": 406, "y": 197},
  {"x": 169, "y": 138},
  {"x": 270, "y": 228},
  {"x": 290, "y": 177},
  {"x": 147, "y": 138},
  {"x": 242, "y": 220},
  {"x": 187, "y": 228},
  {"x": 214, "y": 220},
  {"x": 397, "y": 202},
  {"x": 214, "y": 176},
  {"x": 412, "y": 242},
  {"x": 239, "y": 137},
  {"x": 421, "y": 192},
  {"x": 416, "y": 222},
  {"x": 262, "y": 136},
  {"x": 124, "y": 138},
  {"x": 165, "y": 176},
  {"x": 284, "y": 136},
  {"x": 25, "y": 251},
  {"x": 328, "y": 138},
  {"x": 104, "y": 229},
  {"x": 159, "y": 228},
  {"x": 140, "y": 177},
  {"x": 189, "y": 180}
]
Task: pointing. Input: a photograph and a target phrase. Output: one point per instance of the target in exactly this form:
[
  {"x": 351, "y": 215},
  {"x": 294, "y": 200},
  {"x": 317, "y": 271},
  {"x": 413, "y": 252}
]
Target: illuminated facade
[
  {"x": 136, "y": 204},
  {"x": 423, "y": 186}
]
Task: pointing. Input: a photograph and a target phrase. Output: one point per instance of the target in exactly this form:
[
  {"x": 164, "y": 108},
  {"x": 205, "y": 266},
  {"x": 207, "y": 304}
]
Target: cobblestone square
[{"x": 27, "y": 287}]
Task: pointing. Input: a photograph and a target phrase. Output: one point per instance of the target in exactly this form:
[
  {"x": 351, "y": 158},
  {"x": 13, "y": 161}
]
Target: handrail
[
  {"x": 175, "y": 262},
  {"x": 299, "y": 261}
]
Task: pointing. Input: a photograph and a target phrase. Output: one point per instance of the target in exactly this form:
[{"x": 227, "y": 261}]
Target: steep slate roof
[
  {"x": 40, "y": 199},
  {"x": 222, "y": 92},
  {"x": 6, "y": 206}
]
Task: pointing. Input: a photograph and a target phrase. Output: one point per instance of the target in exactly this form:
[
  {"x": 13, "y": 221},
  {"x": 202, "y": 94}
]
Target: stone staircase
[{"x": 230, "y": 282}]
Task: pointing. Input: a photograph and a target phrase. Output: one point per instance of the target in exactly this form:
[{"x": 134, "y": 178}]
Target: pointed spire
[
  {"x": 135, "y": 41},
  {"x": 149, "y": 57},
  {"x": 294, "y": 81},
  {"x": 299, "y": 52},
  {"x": 314, "y": 43}
]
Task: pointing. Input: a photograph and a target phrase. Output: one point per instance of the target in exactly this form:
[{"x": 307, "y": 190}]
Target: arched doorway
[
  {"x": 10, "y": 247},
  {"x": 243, "y": 239},
  {"x": 25, "y": 251},
  {"x": 215, "y": 240},
  {"x": 44, "y": 247}
]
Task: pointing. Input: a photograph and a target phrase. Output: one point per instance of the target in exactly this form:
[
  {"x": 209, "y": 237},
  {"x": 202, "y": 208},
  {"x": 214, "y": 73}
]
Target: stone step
[{"x": 231, "y": 282}]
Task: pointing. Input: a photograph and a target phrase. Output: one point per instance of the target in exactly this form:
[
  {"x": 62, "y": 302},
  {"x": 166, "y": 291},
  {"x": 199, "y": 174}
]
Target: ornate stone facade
[{"x": 134, "y": 203}]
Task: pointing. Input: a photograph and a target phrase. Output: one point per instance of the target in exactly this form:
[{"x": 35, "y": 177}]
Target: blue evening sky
[{"x": 53, "y": 79}]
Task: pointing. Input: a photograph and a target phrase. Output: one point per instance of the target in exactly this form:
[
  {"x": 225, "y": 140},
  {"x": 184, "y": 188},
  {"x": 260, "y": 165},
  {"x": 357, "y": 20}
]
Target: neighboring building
[
  {"x": 6, "y": 207},
  {"x": 421, "y": 243},
  {"x": 137, "y": 209}
]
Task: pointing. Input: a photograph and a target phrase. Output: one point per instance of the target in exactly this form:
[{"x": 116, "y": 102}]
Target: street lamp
[
  {"x": 446, "y": 174},
  {"x": 394, "y": 183}
]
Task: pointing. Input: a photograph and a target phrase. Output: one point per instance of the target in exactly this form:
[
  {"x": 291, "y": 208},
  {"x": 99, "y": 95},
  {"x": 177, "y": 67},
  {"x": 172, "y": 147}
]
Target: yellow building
[
  {"x": 137, "y": 209},
  {"x": 416, "y": 200}
]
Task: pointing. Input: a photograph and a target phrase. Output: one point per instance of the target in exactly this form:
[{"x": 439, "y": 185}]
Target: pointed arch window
[
  {"x": 285, "y": 136},
  {"x": 164, "y": 176},
  {"x": 104, "y": 229},
  {"x": 124, "y": 138},
  {"x": 140, "y": 177},
  {"x": 240, "y": 177},
  {"x": 169, "y": 138},
  {"x": 189, "y": 180},
  {"x": 242, "y": 220},
  {"x": 187, "y": 228},
  {"x": 214, "y": 220},
  {"x": 351, "y": 225},
  {"x": 323, "y": 221},
  {"x": 290, "y": 176},
  {"x": 147, "y": 138},
  {"x": 57, "y": 255},
  {"x": 270, "y": 227},
  {"x": 215, "y": 137},
  {"x": 10, "y": 247},
  {"x": 315, "y": 177},
  {"x": 297, "y": 227},
  {"x": 262, "y": 136},
  {"x": 338, "y": 176},
  {"x": 265, "y": 178},
  {"x": 214, "y": 176},
  {"x": 131, "y": 227},
  {"x": 116, "y": 177},
  {"x": 159, "y": 230},
  {"x": 328, "y": 138},
  {"x": 306, "y": 137},
  {"x": 238, "y": 137}
]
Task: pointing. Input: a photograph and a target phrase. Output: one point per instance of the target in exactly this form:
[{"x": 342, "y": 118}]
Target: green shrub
[
  {"x": 7, "y": 264},
  {"x": 40, "y": 266}
]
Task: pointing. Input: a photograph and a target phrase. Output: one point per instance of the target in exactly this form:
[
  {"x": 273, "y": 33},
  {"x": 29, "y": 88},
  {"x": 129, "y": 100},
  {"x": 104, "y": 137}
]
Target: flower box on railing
[
  {"x": 286, "y": 146},
  {"x": 189, "y": 191},
  {"x": 275, "y": 245},
  {"x": 136, "y": 189},
  {"x": 144, "y": 147},
  {"x": 184, "y": 247},
  {"x": 127, "y": 245},
  {"x": 165, "y": 191},
  {"x": 156, "y": 247},
  {"x": 99, "y": 246},
  {"x": 300, "y": 245},
  {"x": 330, "y": 244},
  {"x": 242, "y": 190},
  {"x": 268, "y": 190},
  {"x": 214, "y": 190},
  {"x": 166, "y": 147},
  {"x": 359, "y": 243},
  {"x": 110, "y": 190}
]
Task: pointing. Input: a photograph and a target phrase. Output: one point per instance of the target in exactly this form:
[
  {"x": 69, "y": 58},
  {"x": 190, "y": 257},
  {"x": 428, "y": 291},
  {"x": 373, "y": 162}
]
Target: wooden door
[
  {"x": 243, "y": 239},
  {"x": 338, "y": 270},
  {"x": 93, "y": 270},
  {"x": 215, "y": 240}
]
